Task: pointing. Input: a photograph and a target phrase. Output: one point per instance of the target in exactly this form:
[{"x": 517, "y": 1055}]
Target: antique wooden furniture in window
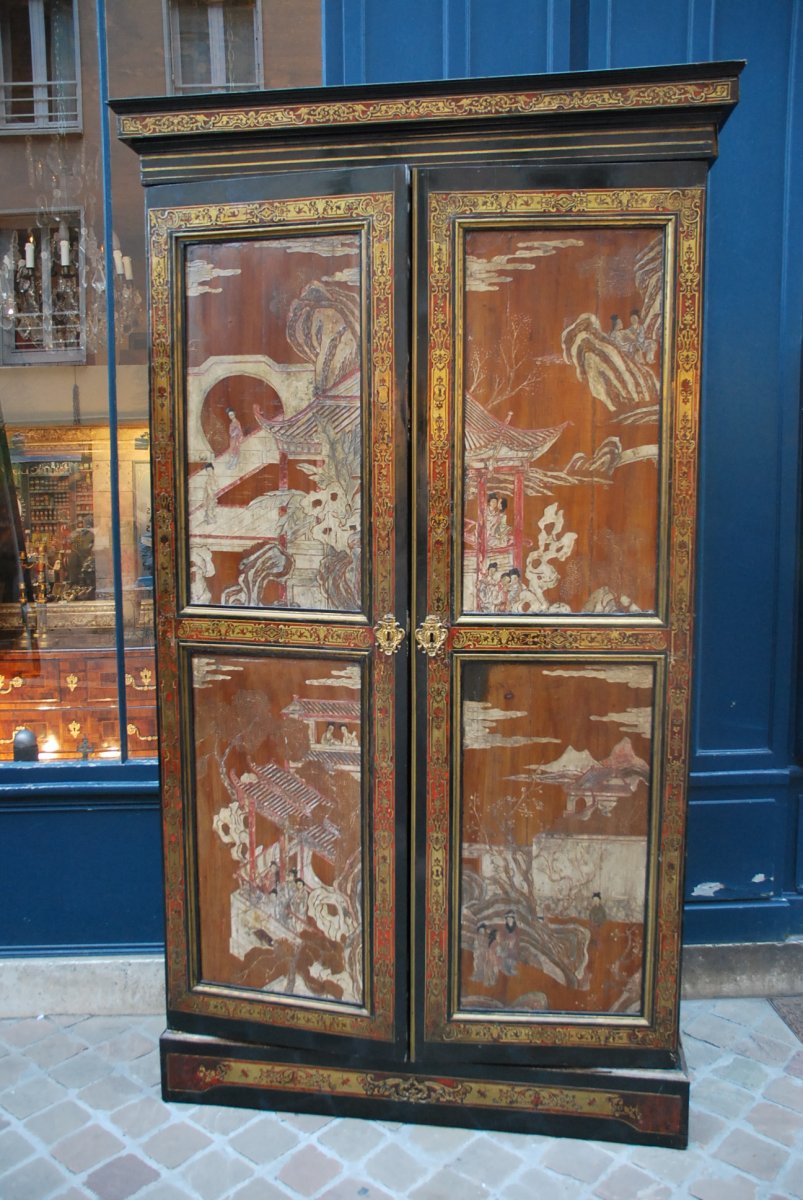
[{"x": 425, "y": 375}]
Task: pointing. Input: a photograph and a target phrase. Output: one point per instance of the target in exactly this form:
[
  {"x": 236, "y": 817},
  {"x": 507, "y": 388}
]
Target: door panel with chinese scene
[
  {"x": 280, "y": 464},
  {"x": 561, "y": 352}
]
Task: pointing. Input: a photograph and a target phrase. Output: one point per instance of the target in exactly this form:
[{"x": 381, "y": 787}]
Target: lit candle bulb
[
  {"x": 30, "y": 253},
  {"x": 127, "y": 267}
]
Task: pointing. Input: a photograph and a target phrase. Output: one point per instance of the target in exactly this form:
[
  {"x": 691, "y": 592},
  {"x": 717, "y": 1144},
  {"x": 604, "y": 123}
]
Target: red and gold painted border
[
  {"x": 374, "y": 214},
  {"x": 318, "y": 114},
  {"x": 658, "y": 1113},
  {"x": 684, "y": 208}
]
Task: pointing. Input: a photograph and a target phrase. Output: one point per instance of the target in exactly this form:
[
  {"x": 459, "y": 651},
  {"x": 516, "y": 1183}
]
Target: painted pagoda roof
[
  {"x": 489, "y": 440},
  {"x": 280, "y": 795},
  {"x": 300, "y": 434},
  {"x": 320, "y": 838},
  {"x": 343, "y": 711}
]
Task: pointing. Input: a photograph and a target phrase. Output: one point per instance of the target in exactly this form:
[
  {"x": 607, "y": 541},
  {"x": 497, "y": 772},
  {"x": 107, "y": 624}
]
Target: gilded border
[
  {"x": 647, "y": 1112},
  {"x": 685, "y": 207},
  {"x": 374, "y": 213},
  {"x": 475, "y": 106}
]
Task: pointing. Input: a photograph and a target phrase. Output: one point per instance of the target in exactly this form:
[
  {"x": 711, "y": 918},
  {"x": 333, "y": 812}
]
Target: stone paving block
[
  {"x": 752, "y": 1154},
  {"x": 786, "y": 1091},
  {"x": 101, "y": 1029},
  {"x": 107, "y": 1094},
  {"x": 393, "y": 1167},
  {"x": 766, "y": 1050},
  {"x": 485, "y": 1160},
  {"x": 265, "y": 1141},
  {"x": 700, "y": 1055},
  {"x": 121, "y": 1178},
  {"x": 164, "y": 1190},
  {"x": 704, "y": 1127},
  {"x": 776, "y": 1122},
  {"x": 718, "y": 1187},
  {"x": 54, "y": 1050},
  {"x": 672, "y": 1166},
  {"x": 357, "y": 1189},
  {"x": 542, "y": 1185},
  {"x": 258, "y": 1189},
  {"x": 12, "y": 1067},
  {"x": 308, "y": 1170},
  {"x": 126, "y": 1048},
  {"x": 744, "y": 1010},
  {"x": 628, "y": 1183},
  {"x": 721, "y": 1098},
  {"x": 141, "y": 1116},
  {"x": 351, "y": 1139},
  {"x": 146, "y": 1069},
  {"x": 439, "y": 1142},
  {"x": 215, "y": 1174},
  {"x": 14, "y": 1149},
  {"x": 708, "y": 1027},
  {"x": 74, "y": 1193},
  {"x": 743, "y": 1072},
  {"x": 59, "y": 1121},
  {"x": 66, "y": 1019},
  {"x": 773, "y": 1025},
  {"x": 174, "y": 1144},
  {"x": 791, "y": 1179},
  {"x": 216, "y": 1119},
  {"x": 82, "y": 1069},
  {"x": 448, "y": 1185},
  {"x": 31, "y": 1097},
  {"x": 793, "y": 1067},
  {"x": 578, "y": 1160},
  {"x": 34, "y": 1180},
  {"x": 304, "y": 1122},
  {"x": 86, "y": 1148},
  {"x": 25, "y": 1032}
]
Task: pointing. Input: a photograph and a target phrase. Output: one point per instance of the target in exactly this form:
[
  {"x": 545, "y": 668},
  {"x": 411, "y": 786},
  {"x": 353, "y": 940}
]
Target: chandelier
[{"x": 53, "y": 271}]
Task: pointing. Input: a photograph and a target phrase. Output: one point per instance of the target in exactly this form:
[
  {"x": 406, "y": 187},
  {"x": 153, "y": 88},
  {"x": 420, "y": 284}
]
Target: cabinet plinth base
[{"x": 648, "y": 1107}]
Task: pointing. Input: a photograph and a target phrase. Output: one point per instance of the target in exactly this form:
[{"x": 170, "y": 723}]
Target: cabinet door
[
  {"x": 557, "y": 383},
  {"x": 280, "y": 459}
]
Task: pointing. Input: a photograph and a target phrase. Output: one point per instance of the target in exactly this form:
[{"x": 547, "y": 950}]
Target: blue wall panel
[
  {"x": 80, "y": 877},
  {"x": 629, "y": 33}
]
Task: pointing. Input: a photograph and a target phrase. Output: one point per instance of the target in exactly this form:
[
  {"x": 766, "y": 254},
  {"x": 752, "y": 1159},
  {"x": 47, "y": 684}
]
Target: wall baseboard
[
  {"x": 109, "y": 986},
  {"x": 103, "y": 986}
]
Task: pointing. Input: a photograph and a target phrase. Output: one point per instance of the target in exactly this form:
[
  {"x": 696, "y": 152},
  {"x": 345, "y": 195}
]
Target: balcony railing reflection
[{"x": 46, "y": 105}]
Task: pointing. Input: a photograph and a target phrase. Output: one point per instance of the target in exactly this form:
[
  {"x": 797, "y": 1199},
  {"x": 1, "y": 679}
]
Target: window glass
[
  {"x": 214, "y": 46},
  {"x": 39, "y": 77}
]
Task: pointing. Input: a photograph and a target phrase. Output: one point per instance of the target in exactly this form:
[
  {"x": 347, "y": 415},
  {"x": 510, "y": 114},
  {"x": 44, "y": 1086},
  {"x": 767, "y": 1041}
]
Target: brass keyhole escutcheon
[
  {"x": 389, "y": 634},
  {"x": 431, "y": 635}
]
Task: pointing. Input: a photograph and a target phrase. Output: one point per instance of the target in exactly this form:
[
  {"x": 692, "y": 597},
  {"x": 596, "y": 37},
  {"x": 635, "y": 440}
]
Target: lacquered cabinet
[{"x": 425, "y": 377}]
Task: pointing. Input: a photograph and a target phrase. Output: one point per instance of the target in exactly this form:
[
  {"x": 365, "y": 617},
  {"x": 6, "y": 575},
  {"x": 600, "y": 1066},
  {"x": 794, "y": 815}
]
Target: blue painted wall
[{"x": 744, "y": 870}]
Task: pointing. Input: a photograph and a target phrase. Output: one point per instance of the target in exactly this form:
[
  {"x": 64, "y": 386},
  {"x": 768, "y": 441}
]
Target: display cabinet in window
[{"x": 425, "y": 376}]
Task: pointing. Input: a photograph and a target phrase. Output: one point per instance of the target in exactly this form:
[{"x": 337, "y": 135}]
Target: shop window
[
  {"x": 38, "y": 65},
  {"x": 41, "y": 296},
  {"x": 214, "y": 47}
]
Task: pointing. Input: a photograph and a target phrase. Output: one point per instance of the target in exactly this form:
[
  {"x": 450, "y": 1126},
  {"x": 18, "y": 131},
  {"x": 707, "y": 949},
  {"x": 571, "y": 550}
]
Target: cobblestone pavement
[{"x": 81, "y": 1119}]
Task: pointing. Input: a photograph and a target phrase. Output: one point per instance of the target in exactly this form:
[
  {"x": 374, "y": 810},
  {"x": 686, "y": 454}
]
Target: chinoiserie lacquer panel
[
  {"x": 280, "y": 821},
  {"x": 562, "y": 404},
  {"x": 554, "y": 806},
  {"x": 273, "y": 351}
]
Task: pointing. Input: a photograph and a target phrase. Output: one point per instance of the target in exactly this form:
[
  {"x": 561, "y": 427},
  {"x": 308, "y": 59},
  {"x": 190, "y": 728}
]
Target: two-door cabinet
[{"x": 425, "y": 368}]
